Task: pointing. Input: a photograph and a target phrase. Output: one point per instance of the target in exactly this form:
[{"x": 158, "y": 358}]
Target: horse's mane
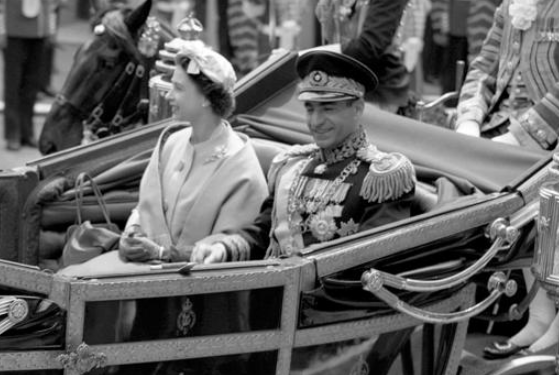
[{"x": 113, "y": 21}]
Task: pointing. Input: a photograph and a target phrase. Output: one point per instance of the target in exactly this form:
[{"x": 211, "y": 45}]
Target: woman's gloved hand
[
  {"x": 136, "y": 247},
  {"x": 209, "y": 253}
]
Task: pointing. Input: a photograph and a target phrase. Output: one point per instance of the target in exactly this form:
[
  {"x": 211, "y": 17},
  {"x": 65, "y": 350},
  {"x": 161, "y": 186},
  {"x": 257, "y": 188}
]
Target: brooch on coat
[{"x": 220, "y": 152}]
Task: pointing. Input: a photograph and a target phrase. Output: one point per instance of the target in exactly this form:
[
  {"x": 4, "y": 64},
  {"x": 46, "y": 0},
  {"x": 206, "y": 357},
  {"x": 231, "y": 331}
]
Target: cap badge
[{"x": 318, "y": 78}]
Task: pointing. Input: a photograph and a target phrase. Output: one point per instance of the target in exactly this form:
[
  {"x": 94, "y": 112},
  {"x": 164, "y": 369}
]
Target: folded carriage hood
[
  {"x": 488, "y": 165},
  {"x": 268, "y": 107}
]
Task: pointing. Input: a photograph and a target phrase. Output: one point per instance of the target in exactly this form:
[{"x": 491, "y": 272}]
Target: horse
[{"x": 106, "y": 90}]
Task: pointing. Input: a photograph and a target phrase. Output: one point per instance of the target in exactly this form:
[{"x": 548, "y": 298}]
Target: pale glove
[
  {"x": 209, "y": 253},
  {"x": 468, "y": 127},
  {"x": 507, "y": 138},
  {"x": 136, "y": 247}
]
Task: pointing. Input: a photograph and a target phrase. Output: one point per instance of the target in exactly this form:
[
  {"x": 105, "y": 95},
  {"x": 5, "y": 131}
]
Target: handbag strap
[{"x": 81, "y": 180}]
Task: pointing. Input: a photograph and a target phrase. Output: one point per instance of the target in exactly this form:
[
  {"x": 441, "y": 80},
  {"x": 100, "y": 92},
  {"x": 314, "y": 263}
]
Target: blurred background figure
[
  {"x": 367, "y": 31},
  {"x": 480, "y": 19},
  {"x": 280, "y": 20},
  {"x": 449, "y": 19},
  {"x": 412, "y": 32},
  {"x": 279, "y": 23},
  {"x": 227, "y": 28},
  {"x": 510, "y": 94},
  {"x": 174, "y": 11},
  {"x": 247, "y": 31},
  {"x": 46, "y": 88},
  {"x": 26, "y": 27}
]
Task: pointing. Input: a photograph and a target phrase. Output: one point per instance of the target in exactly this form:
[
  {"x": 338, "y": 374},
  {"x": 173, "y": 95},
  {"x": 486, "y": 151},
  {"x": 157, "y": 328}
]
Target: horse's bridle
[{"x": 103, "y": 120}]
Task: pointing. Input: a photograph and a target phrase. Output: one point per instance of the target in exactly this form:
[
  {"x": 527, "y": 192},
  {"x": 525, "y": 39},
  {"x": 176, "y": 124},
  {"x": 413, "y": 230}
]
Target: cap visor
[{"x": 309, "y": 96}]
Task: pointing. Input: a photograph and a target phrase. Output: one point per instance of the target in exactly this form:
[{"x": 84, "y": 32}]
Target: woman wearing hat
[{"x": 203, "y": 178}]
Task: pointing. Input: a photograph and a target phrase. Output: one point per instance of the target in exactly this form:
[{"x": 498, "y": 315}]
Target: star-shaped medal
[
  {"x": 320, "y": 169},
  {"x": 348, "y": 228}
]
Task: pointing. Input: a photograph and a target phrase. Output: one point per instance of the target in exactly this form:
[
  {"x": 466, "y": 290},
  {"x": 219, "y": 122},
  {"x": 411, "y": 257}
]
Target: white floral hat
[{"x": 204, "y": 59}]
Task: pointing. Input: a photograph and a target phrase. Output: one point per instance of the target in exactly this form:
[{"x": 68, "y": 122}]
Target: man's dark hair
[{"x": 221, "y": 100}]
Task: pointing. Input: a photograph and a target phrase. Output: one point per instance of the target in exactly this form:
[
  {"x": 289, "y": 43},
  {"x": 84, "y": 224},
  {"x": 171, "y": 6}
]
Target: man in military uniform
[{"x": 333, "y": 188}]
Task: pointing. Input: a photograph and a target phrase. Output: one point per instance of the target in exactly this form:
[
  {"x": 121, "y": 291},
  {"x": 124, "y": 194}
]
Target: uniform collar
[{"x": 349, "y": 147}]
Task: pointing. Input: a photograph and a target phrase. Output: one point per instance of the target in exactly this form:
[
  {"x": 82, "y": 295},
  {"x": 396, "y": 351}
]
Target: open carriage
[{"x": 473, "y": 213}]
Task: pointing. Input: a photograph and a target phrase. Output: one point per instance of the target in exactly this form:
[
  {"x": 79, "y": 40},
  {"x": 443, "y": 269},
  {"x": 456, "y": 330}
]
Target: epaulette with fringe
[
  {"x": 295, "y": 151},
  {"x": 390, "y": 176},
  {"x": 280, "y": 159}
]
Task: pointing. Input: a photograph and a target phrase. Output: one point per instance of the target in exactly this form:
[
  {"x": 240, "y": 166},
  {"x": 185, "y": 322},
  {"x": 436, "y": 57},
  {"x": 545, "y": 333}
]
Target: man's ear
[{"x": 359, "y": 107}]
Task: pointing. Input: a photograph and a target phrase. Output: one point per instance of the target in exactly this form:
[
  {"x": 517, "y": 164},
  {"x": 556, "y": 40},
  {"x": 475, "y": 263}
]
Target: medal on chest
[{"x": 314, "y": 203}]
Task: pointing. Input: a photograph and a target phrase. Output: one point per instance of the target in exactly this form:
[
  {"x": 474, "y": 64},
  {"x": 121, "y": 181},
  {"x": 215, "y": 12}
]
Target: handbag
[{"x": 84, "y": 239}]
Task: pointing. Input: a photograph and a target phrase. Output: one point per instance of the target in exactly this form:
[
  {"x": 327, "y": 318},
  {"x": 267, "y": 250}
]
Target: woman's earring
[{"x": 205, "y": 104}]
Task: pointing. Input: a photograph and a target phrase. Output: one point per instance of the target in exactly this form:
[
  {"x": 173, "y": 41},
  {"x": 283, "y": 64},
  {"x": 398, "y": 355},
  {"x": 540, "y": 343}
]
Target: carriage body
[{"x": 302, "y": 319}]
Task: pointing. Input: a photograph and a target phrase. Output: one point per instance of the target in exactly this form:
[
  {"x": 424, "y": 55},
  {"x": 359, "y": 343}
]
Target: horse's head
[{"x": 106, "y": 83}]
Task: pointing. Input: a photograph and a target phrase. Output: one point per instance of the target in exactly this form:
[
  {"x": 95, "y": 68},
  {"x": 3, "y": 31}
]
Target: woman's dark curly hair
[{"x": 221, "y": 100}]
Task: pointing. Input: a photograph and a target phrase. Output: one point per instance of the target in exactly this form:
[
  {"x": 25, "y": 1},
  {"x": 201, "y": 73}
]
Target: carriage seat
[
  {"x": 266, "y": 150},
  {"x": 121, "y": 197},
  {"x": 425, "y": 198}
]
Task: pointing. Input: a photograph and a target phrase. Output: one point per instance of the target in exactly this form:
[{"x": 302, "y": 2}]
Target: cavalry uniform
[{"x": 516, "y": 75}]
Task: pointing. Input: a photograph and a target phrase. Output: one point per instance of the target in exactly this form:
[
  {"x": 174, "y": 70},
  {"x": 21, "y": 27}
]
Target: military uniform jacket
[
  {"x": 534, "y": 53},
  {"x": 313, "y": 201}
]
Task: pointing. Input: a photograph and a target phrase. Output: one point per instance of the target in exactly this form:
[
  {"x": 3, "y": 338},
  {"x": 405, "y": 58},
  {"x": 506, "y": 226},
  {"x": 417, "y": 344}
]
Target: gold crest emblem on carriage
[{"x": 186, "y": 318}]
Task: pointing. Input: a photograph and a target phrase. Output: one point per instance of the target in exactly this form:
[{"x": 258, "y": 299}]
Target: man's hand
[
  {"x": 507, "y": 138},
  {"x": 138, "y": 249},
  {"x": 469, "y": 127},
  {"x": 209, "y": 253}
]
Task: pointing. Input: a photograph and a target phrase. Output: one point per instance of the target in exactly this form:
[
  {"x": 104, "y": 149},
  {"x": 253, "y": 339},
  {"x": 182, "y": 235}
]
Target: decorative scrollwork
[
  {"x": 501, "y": 228},
  {"x": 82, "y": 360},
  {"x": 372, "y": 280}
]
